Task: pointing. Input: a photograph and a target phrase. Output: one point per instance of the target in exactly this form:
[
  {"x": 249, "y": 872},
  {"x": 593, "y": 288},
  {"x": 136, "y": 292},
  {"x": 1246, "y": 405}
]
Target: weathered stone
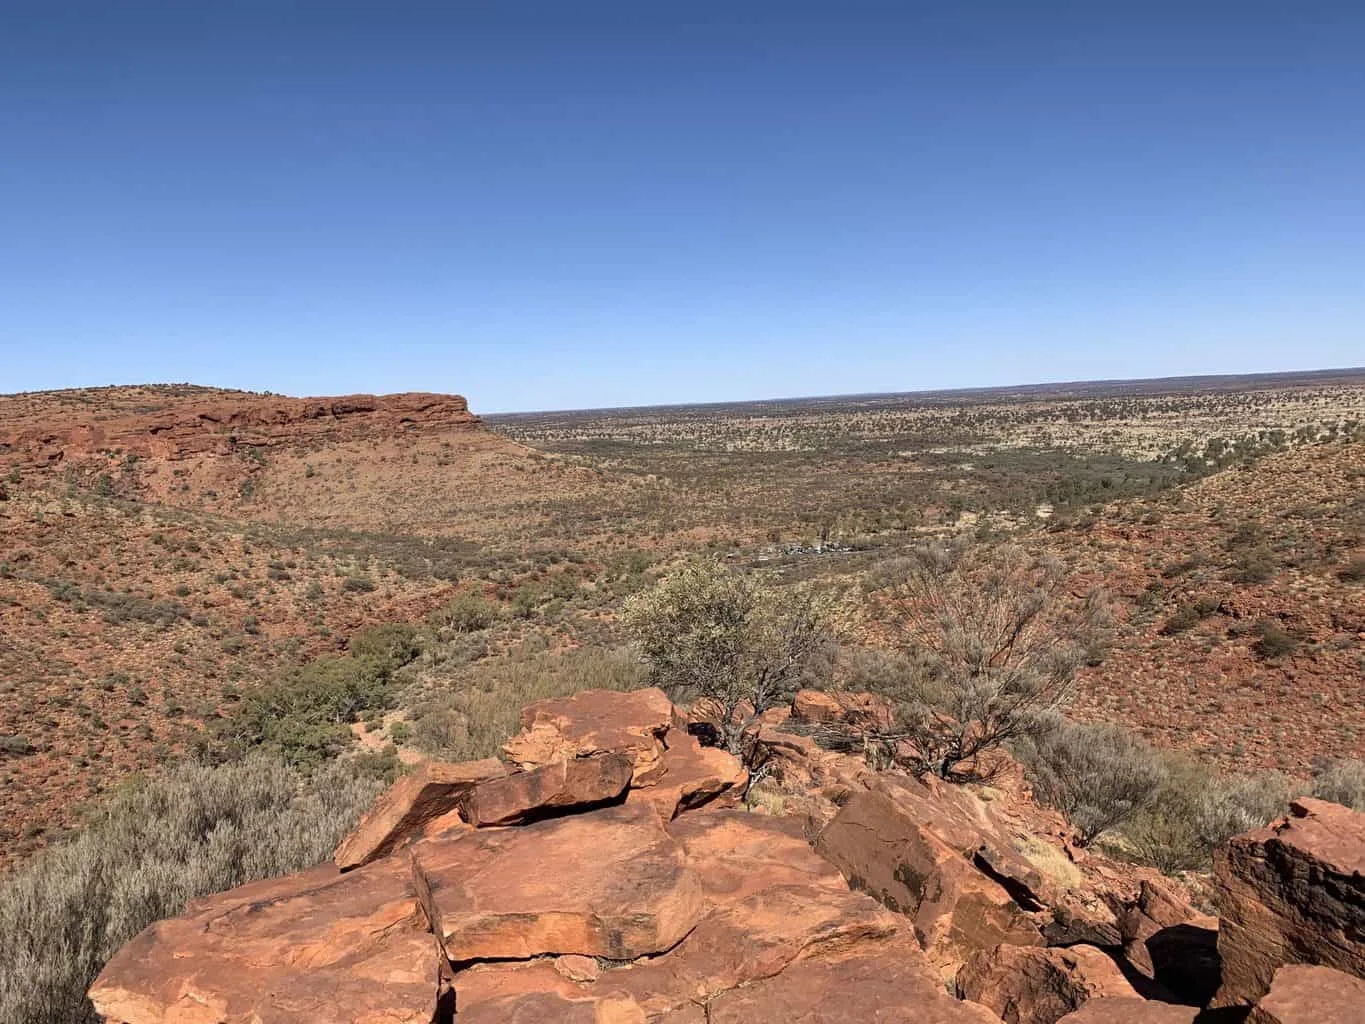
[
  {"x": 557, "y": 786},
  {"x": 1304, "y": 994},
  {"x": 956, "y": 909},
  {"x": 405, "y": 809},
  {"x": 1129, "y": 1010},
  {"x": 609, "y": 883},
  {"x": 885, "y": 983},
  {"x": 594, "y": 722},
  {"x": 578, "y": 968},
  {"x": 1293, "y": 892},
  {"x": 867, "y": 710},
  {"x": 1028, "y": 985},
  {"x": 295, "y": 950},
  {"x": 691, "y": 776}
]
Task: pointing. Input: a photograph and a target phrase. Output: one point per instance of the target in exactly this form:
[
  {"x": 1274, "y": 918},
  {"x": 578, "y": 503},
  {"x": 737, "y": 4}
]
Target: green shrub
[
  {"x": 1353, "y": 571},
  {"x": 468, "y": 613},
  {"x": 15, "y": 746},
  {"x": 1275, "y": 642},
  {"x": 1099, "y": 776},
  {"x": 357, "y": 585},
  {"x": 195, "y": 831},
  {"x": 394, "y": 644},
  {"x": 1195, "y": 809},
  {"x": 1342, "y": 782}
]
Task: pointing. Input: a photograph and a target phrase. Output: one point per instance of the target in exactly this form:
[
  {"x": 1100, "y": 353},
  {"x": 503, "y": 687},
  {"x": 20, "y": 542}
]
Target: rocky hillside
[{"x": 605, "y": 870}]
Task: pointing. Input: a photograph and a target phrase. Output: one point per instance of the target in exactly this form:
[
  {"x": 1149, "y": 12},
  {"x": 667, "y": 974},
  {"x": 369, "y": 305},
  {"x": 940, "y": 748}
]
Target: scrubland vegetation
[{"x": 1148, "y": 600}]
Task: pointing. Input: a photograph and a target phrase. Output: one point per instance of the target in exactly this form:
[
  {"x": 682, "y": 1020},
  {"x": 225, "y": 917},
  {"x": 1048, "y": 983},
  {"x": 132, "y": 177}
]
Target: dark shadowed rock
[{"x": 1028, "y": 985}]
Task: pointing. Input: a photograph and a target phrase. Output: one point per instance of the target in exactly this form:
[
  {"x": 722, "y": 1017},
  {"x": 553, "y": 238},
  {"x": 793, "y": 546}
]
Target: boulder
[
  {"x": 609, "y": 883},
  {"x": 1168, "y": 942},
  {"x": 1029, "y": 985},
  {"x": 316, "y": 946},
  {"x": 1293, "y": 892},
  {"x": 594, "y": 722},
  {"x": 404, "y": 811},
  {"x": 558, "y": 786},
  {"x": 1304, "y": 994},
  {"x": 882, "y": 849},
  {"x": 692, "y": 775},
  {"x": 1128, "y": 1010}
]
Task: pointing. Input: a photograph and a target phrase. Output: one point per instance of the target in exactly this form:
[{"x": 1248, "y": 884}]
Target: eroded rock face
[
  {"x": 689, "y": 776},
  {"x": 1291, "y": 893},
  {"x": 1027, "y": 985},
  {"x": 1304, "y": 994},
  {"x": 406, "y": 808},
  {"x": 883, "y": 849},
  {"x": 593, "y": 722}
]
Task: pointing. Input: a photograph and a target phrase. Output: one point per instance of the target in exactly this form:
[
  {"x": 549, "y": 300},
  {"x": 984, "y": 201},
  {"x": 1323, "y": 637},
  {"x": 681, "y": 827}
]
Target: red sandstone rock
[
  {"x": 692, "y": 775},
  {"x": 1303, "y": 994},
  {"x": 577, "y": 782},
  {"x": 254, "y": 421},
  {"x": 592, "y": 722},
  {"x": 297, "y": 950},
  {"x": 1129, "y": 1010},
  {"x": 1028, "y": 985},
  {"x": 855, "y": 709},
  {"x": 956, "y": 909},
  {"x": 608, "y": 883},
  {"x": 1293, "y": 892},
  {"x": 404, "y": 810}
]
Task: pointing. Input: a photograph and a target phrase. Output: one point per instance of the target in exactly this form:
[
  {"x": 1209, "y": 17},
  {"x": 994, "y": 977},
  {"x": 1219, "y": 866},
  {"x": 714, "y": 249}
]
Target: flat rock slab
[
  {"x": 404, "y": 810},
  {"x": 555, "y": 787},
  {"x": 1304, "y": 994},
  {"x": 594, "y": 722},
  {"x": 609, "y": 883},
  {"x": 1130, "y": 1010},
  {"x": 317, "y": 946},
  {"x": 1293, "y": 892}
]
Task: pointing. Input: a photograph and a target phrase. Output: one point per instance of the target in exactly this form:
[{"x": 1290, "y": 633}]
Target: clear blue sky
[{"x": 569, "y": 204}]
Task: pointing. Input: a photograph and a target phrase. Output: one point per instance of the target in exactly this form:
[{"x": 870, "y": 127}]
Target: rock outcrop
[
  {"x": 221, "y": 426},
  {"x": 1291, "y": 893},
  {"x": 602, "y": 875}
]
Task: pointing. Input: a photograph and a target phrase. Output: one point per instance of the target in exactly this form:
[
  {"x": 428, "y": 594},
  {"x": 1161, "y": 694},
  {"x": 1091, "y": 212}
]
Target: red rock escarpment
[{"x": 222, "y": 426}]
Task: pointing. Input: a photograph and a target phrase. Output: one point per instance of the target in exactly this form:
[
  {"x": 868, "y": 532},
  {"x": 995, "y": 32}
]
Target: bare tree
[{"x": 994, "y": 639}]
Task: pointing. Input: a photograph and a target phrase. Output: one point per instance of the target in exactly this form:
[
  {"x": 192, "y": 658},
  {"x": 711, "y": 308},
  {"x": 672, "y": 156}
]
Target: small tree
[
  {"x": 711, "y": 633},
  {"x": 995, "y": 640}
]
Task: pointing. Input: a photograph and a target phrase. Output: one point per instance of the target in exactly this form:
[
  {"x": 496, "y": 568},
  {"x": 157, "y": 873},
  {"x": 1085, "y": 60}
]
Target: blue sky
[{"x": 558, "y": 205}]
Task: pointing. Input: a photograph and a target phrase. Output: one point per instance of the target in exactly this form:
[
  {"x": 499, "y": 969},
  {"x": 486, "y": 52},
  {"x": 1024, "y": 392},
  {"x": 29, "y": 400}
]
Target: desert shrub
[
  {"x": 1342, "y": 782},
  {"x": 195, "y": 831},
  {"x": 475, "y": 717},
  {"x": 1353, "y": 571},
  {"x": 468, "y": 613},
  {"x": 1274, "y": 641},
  {"x": 1099, "y": 776},
  {"x": 1195, "y": 809},
  {"x": 993, "y": 642},
  {"x": 1183, "y": 618},
  {"x": 710, "y": 633},
  {"x": 303, "y": 715},
  {"x": 357, "y": 585},
  {"x": 1254, "y": 565},
  {"x": 394, "y": 644},
  {"x": 16, "y": 746}
]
